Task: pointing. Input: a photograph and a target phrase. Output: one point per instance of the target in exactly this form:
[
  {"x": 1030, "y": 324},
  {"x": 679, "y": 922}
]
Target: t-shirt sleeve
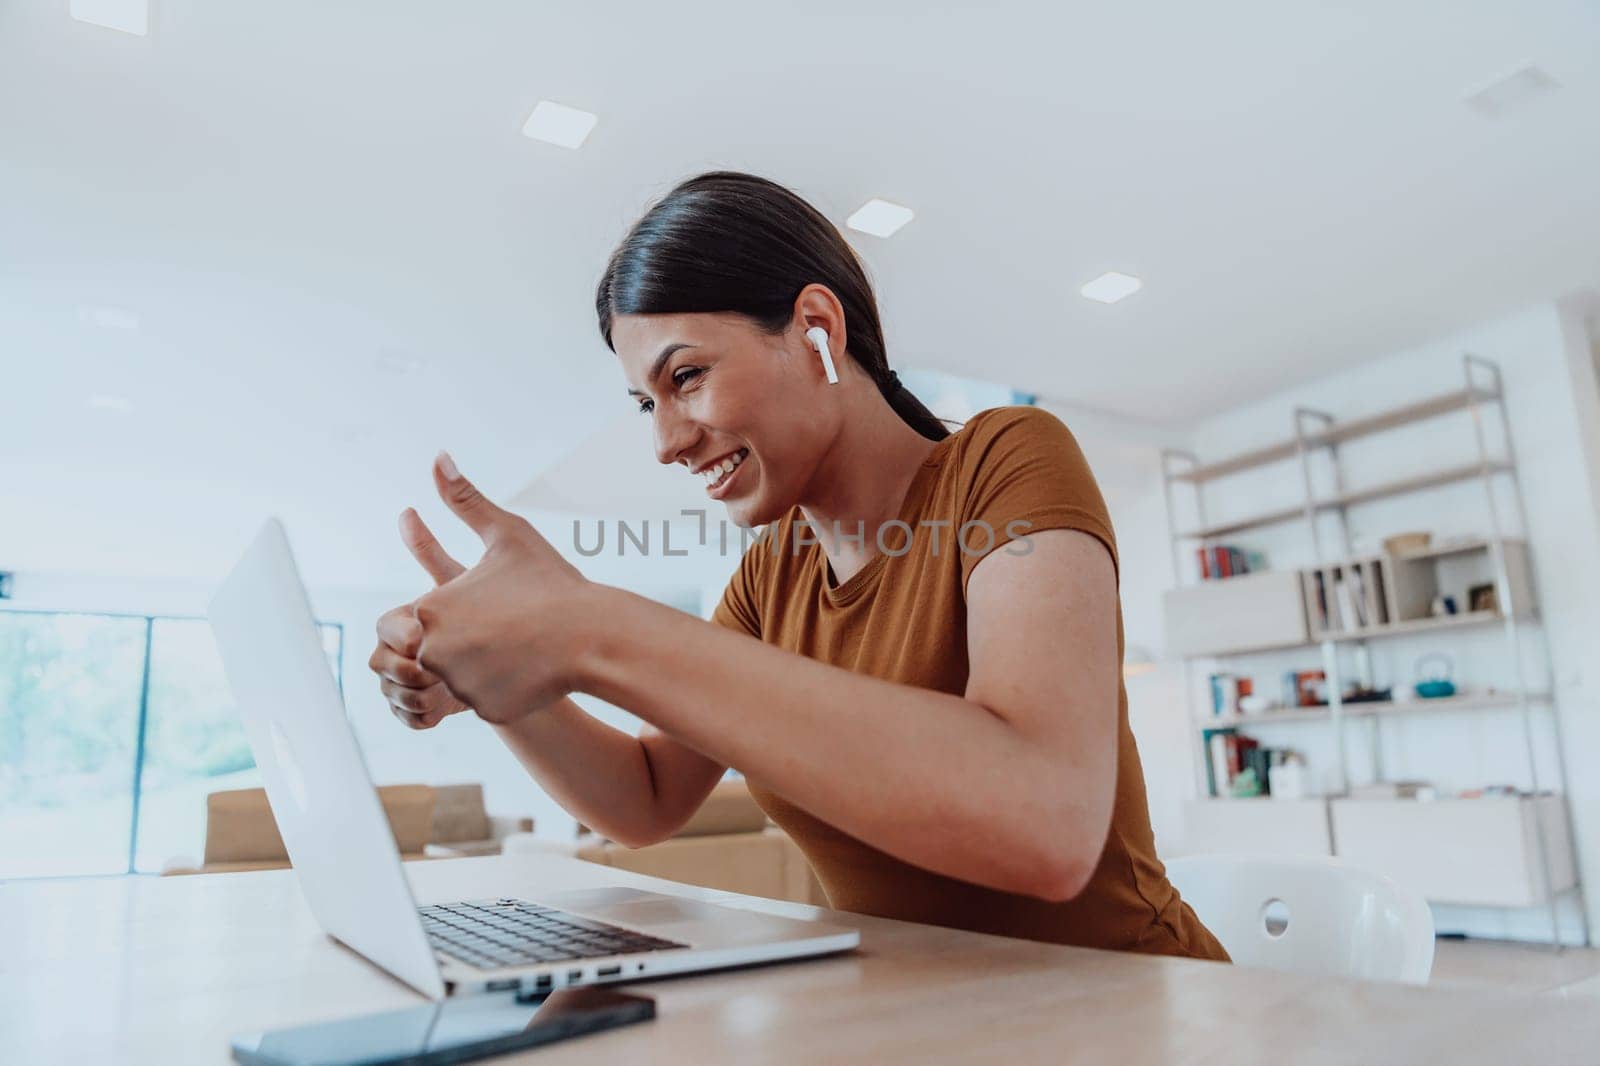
[
  {"x": 739, "y": 608},
  {"x": 1024, "y": 473}
]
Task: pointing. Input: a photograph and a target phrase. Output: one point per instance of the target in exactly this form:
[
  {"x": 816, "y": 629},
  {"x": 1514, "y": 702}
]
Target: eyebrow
[{"x": 660, "y": 361}]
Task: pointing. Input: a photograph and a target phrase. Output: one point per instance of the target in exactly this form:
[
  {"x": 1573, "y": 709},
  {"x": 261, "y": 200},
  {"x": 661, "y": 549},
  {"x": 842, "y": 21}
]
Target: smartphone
[{"x": 453, "y": 1030}]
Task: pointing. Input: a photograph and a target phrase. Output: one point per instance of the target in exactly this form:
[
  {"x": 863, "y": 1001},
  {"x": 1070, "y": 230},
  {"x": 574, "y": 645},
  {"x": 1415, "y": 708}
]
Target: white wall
[{"x": 1554, "y": 410}]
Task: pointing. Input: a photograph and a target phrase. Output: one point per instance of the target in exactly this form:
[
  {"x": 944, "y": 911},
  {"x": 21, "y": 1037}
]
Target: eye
[
  {"x": 685, "y": 375},
  {"x": 646, "y": 406}
]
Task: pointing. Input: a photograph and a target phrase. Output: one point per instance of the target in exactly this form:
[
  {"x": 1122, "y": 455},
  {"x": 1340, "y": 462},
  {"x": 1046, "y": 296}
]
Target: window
[
  {"x": 69, "y": 718},
  {"x": 113, "y": 729}
]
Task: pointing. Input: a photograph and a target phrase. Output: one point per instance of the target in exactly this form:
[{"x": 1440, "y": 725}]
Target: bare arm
[
  {"x": 956, "y": 784},
  {"x": 634, "y": 790},
  {"x": 922, "y": 777}
]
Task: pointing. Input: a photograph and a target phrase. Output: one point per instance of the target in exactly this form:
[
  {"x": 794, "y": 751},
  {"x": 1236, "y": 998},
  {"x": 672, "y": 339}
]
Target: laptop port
[
  {"x": 608, "y": 971},
  {"x": 574, "y": 975},
  {"x": 501, "y": 986},
  {"x": 544, "y": 981}
]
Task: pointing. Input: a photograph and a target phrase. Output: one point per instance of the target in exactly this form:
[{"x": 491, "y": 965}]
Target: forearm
[
  {"x": 598, "y": 774},
  {"x": 935, "y": 779}
]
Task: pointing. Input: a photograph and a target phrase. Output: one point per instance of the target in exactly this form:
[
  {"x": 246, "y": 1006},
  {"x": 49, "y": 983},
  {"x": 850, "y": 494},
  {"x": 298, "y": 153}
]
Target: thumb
[
  {"x": 487, "y": 520},
  {"x": 426, "y": 549}
]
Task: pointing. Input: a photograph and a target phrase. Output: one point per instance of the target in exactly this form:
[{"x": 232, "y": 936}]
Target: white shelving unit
[
  {"x": 1389, "y": 596},
  {"x": 1475, "y": 701}
]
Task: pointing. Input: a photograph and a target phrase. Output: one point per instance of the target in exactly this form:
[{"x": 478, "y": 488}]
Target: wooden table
[{"x": 147, "y": 970}]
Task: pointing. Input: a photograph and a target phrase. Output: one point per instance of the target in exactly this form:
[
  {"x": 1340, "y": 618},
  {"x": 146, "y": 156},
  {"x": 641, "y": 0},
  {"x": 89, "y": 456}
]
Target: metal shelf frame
[{"x": 1482, "y": 395}]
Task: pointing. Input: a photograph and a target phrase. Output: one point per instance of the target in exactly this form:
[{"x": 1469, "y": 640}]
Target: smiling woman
[{"x": 916, "y": 669}]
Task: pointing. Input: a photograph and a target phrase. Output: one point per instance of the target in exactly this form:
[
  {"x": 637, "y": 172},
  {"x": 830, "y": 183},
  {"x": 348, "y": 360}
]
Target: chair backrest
[
  {"x": 459, "y": 814},
  {"x": 1309, "y": 915}
]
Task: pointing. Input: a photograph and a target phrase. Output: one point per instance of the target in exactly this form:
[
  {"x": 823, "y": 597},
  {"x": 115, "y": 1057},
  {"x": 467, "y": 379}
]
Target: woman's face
[{"x": 718, "y": 391}]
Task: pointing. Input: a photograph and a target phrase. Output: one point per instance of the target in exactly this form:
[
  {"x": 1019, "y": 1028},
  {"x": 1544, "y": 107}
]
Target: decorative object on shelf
[
  {"x": 1305, "y": 688},
  {"x": 1406, "y": 543},
  {"x": 1286, "y": 777},
  {"x": 1483, "y": 598},
  {"x": 1437, "y": 685},
  {"x": 1257, "y": 703},
  {"x": 1443, "y": 606},
  {"x": 1245, "y": 784}
]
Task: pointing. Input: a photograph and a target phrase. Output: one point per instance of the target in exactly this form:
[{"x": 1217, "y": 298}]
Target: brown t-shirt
[{"x": 903, "y": 618}]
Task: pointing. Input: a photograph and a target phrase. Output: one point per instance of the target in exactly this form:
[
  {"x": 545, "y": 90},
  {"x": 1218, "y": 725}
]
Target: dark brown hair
[{"x": 726, "y": 241}]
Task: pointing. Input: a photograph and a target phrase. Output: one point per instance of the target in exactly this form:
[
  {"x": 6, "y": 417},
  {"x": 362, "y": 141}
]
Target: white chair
[{"x": 1309, "y": 915}]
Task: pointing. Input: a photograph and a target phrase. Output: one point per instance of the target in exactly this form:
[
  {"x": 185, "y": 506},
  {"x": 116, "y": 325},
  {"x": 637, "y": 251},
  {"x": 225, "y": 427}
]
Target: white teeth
[{"x": 722, "y": 469}]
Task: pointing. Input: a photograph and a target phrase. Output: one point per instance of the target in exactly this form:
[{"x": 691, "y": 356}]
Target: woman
[{"x": 917, "y": 670}]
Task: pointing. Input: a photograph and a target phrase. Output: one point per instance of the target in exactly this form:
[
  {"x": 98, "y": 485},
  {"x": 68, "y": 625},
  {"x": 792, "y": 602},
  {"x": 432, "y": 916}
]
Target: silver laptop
[{"x": 344, "y": 852}]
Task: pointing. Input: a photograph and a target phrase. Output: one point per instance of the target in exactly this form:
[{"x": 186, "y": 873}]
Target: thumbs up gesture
[
  {"x": 418, "y": 697},
  {"x": 498, "y": 635}
]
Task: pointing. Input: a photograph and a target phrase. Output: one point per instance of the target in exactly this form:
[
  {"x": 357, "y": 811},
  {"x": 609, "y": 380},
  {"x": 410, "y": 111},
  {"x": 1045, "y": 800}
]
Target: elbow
[
  {"x": 1062, "y": 864},
  {"x": 634, "y": 839},
  {"x": 1060, "y": 875},
  {"x": 1061, "y": 868}
]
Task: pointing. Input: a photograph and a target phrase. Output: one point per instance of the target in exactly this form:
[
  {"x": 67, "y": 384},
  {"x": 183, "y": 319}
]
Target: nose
[{"x": 674, "y": 435}]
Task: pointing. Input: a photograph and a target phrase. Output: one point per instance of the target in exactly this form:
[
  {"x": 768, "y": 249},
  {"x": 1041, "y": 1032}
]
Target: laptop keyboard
[{"x": 511, "y": 932}]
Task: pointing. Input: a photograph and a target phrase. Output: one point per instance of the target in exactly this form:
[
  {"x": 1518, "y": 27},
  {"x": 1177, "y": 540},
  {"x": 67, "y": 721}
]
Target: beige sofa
[{"x": 728, "y": 845}]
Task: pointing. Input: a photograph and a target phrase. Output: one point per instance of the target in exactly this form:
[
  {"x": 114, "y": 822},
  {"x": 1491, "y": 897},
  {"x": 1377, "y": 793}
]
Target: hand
[
  {"x": 503, "y": 636},
  {"x": 416, "y": 696}
]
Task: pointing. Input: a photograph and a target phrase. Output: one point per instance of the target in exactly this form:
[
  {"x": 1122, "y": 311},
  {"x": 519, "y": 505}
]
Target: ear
[{"x": 818, "y": 306}]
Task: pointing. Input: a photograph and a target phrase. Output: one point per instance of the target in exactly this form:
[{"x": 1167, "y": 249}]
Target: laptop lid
[{"x": 317, "y": 783}]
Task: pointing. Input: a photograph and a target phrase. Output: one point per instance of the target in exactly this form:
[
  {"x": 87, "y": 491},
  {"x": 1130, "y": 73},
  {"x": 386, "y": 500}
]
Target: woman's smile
[{"x": 721, "y": 474}]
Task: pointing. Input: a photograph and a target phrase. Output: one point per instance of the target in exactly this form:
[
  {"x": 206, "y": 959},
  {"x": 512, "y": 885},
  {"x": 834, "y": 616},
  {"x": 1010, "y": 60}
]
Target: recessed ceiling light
[
  {"x": 109, "y": 317},
  {"x": 129, "y": 16},
  {"x": 558, "y": 124},
  {"x": 1511, "y": 91},
  {"x": 103, "y": 402},
  {"x": 1112, "y": 286},
  {"x": 879, "y": 218}
]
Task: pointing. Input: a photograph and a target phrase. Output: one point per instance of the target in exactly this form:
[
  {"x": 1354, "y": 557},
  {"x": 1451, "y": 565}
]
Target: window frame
[{"x": 143, "y": 720}]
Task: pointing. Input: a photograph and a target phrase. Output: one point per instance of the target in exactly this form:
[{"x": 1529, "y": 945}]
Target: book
[
  {"x": 1217, "y": 762},
  {"x": 1359, "y": 595}
]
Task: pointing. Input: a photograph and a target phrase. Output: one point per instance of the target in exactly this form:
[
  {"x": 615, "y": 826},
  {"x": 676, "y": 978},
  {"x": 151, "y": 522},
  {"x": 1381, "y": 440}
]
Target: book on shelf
[
  {"x": 1358, "y": 596},
  {"x": 1350, "y": 615},
  {"x": 1224, "y": 561},
  {"x": 1321, "y": 606},
  {"x": 1226, "y": 691},
  {"x": 1229, "y": 755}
]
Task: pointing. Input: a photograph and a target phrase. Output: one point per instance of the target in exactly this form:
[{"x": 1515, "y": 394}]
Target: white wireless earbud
[{"x": 819, "y": 340}]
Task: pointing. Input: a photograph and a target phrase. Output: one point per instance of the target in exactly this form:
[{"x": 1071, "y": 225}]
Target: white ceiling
[{"x": 281, "y": 194}]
